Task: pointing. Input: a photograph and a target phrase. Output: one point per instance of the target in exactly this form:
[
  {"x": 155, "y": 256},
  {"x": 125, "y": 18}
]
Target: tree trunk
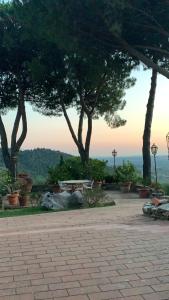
[
  {"x": 10, "y": 155},
  {"x": 147, "y": 130},
  {"x": 4, "y": 145},
  {"x": 84, "y": 155},
  {"x": 13, "y": 167},
  {"x": 83, "y": 150}
]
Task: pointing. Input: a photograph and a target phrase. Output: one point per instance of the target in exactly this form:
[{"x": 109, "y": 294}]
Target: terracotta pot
[
  {"x": 144, "y": 193},
  {"x": 13, "y": 198},
  {"x": 24, "y": 201},
  {"x": 25, "y": 182},
  {"x": 125, "y": 187}
]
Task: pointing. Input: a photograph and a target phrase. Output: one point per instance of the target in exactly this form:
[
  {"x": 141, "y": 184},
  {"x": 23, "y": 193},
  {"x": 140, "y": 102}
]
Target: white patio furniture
[
  {"x": 88, "y": 186},
  {"x": 74, "y": 185},
  {"x": 64, "y": 187}
]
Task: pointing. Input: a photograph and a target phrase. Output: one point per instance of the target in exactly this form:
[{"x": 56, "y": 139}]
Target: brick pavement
[{"x": 93, "y": 254}]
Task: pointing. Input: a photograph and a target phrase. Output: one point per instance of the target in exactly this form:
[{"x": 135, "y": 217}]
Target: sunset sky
[{"x": 53, "y": 132}]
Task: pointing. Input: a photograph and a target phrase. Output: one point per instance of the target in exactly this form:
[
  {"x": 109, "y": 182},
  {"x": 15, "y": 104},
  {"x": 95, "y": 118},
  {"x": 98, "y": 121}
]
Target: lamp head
[
  {"x": 154, "y": 149},
  {"x": 114, "y": 152}
]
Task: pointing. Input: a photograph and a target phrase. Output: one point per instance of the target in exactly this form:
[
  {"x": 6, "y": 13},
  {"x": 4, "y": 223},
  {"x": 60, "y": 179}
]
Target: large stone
[
  {"x": 156, "y": 208},
  {"x": 76, "y": 199},
  {"x": 58, "y": 201}
]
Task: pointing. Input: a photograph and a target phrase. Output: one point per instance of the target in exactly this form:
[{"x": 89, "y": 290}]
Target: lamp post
[
  {"x": 114, "y": 153},
  {"x": 167, "y": 140},
  {"x": 154, "y": 150}
]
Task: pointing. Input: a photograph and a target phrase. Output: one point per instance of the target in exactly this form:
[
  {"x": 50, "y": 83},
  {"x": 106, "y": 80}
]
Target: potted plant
[
  {"x": 13, "y": 189},
  {"x": 125, "y": 175},
  {"x": 25, "y": 188},
  {"x": 144, "y": 192}
]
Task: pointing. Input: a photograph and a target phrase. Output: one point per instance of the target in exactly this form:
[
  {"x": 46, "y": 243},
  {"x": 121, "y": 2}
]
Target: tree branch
[
  {"x": 69, "y": 124},
  {"x": 152, "y": 48},
  {"x": 4, "y": 144},
  {"x": 148, "y": 62},
  {"x": 99, "y": 89},
  {"x": 80, "y": 127},
  {"x": 22, "y": 137},
  {"x": 89, "y": 133},
  {"x": 15, "y": 129}
]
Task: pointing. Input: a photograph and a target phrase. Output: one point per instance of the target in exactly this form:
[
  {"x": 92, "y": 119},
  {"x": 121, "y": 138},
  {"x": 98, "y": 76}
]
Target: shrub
[
  {"x": 126, "y": 172},
  {"x": 5, "y": 182},
  {"x": 93, "y": 197},
  {"x": 166, "y": 188},
  {"x": 72, "y": 168},
  {"x": 109, "y": 179}
]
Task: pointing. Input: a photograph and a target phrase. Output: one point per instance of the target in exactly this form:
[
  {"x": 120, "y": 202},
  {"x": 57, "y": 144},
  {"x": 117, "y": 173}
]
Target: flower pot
[
  {"x": 24, "y": 200},
  {"x": 144, "y": 193},
  {"x": 25, "y": 182},
  {"x": 13, "y": 198},
  {"x": 125, "y": 187}
]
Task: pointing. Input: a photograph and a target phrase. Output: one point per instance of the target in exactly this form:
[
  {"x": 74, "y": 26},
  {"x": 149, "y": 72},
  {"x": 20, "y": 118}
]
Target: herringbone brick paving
[{"x": 93, "y": 254}]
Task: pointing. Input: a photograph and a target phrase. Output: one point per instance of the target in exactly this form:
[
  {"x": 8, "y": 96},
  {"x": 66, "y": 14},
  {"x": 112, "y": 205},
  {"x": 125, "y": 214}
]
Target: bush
[
  {"x": 72, "y": 168},
  {"x": 126, "y": 173},
  {"x": 166, "y": 188},
  {"x": 5, "y": 181},
  {"x": 93, "y": 197},
  {"x": 109, "y": 179}
]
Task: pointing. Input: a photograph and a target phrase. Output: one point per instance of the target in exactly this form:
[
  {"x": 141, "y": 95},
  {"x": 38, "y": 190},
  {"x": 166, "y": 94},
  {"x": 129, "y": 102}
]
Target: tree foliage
[
  {"x": 72, "y": 74},
  {"x": 16, "y": 85},
  {"x": 73, "y": 168}
]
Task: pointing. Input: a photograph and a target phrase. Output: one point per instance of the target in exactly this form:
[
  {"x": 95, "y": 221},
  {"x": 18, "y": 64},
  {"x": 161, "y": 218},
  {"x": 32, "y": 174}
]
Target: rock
[
  {"x": 147, "y": 208},
  {"x": 55, "y": 201},
  {"x": 164, "y": 207},
  {"x": 156, "y": 201},
  {"x": 157, "y": 208},
  {"x": 76, "y": 199}
]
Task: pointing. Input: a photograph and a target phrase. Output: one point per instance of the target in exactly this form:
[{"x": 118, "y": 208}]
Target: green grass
[
  {"x": 38, "y": 210},
  {"x": 23, "y": 212}
]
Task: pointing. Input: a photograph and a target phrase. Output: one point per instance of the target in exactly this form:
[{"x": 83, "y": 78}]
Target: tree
[
  {"x": 93, "y": 85},
  {"x": 72, "y": 73},
  {"x": 139, "y": 28},
  {"x": 15, "y": 82},
  {"x": 147, "y": 129}
]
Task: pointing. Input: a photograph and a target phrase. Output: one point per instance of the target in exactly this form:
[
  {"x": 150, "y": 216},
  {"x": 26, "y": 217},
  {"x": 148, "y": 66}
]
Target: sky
[{"x": 53, "y": 133}]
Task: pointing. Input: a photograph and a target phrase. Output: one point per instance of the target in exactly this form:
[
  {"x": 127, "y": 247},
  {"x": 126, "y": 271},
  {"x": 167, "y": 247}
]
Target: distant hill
[{"x": 36, "y": 162}]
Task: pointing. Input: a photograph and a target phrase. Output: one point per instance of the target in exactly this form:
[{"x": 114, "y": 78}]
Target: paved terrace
[{"x": 93, "y": 254}]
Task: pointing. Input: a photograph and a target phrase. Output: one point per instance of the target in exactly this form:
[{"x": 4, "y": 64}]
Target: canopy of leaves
[
  {"x": 72, "y": 65},
  {"x": 16, "y": 53},
  {"x": 97, "y": 83},
  {"x": 106, "y": 26}
]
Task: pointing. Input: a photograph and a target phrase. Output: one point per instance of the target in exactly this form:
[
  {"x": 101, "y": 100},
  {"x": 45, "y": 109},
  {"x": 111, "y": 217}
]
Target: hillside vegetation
[{"x": 37, "y": 162}]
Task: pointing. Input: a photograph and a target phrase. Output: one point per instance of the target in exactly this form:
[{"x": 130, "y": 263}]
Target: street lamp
[
  {"x": 154, "y": 150},
  {"x": 114, "y": 153},
  {"x": 167, "y": 140}
]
